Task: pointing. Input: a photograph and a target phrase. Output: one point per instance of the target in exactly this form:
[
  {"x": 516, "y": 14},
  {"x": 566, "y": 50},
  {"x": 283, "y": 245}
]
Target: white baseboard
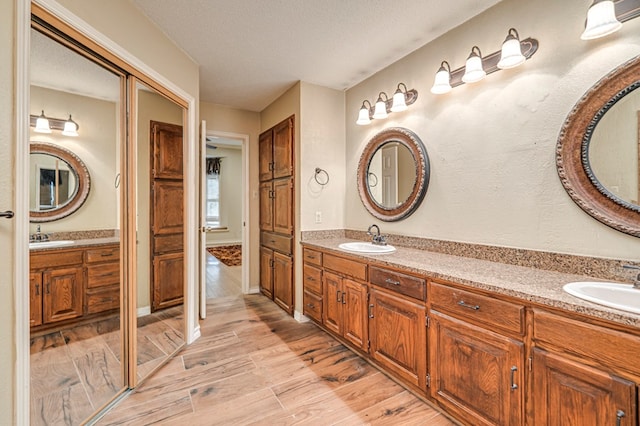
[
  {"x": 223, "y": 243},
  {"x": 254, "y": 290},
  {"x": 144, "y": 311},
  {"x": 300, "y": 317}
]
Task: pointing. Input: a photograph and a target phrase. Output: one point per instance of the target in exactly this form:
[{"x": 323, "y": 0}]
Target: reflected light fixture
[
  {"x": 42, "y": 124},
  {"x": 442, "y": 82},
  {"x": 511, "y": 55},
  {"x": 601, "y": 20},
  {"x": 474, "y": 70},
  {"x": 381, "y": 107},
  {"x": 70, "y": 127},
  {"x": 364, "y": 116}
]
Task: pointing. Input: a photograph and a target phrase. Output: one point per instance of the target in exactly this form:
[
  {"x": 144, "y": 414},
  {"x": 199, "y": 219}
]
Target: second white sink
[
  {"x": 49, "y": 244},
  {"x": 367, "y": 248},
  {"x": 613, "y": 295}
]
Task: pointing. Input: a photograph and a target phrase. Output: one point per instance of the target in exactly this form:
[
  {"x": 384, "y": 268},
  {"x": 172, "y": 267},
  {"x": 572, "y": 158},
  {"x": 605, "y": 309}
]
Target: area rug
[{"x": 229, "y": 255}]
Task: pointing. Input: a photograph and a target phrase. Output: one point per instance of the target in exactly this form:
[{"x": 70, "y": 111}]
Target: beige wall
[
  {"x": 230, "y": 196},
  {"x": 96, "y": 146},
  {"x": 230, "y": 120},
  {"x": 151, "y": 107},
  {"x": 492, "y": 144},
  {"x": 7, "y": 202}
]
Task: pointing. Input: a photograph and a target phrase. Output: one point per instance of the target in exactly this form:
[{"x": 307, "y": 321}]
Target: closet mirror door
[
  {"x": 78, "y": 350},
  {"x": 160, "y": 229}
]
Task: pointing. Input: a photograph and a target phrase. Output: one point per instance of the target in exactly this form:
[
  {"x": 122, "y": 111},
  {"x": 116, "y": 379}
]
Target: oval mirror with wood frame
[
  {"x": 580, "y": 141},
  {"x": 393, "y": 174},
  {"x": 59, "y": 182}
]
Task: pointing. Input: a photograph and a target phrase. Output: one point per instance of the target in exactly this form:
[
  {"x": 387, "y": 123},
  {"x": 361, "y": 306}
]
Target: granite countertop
[
  {"x": 531, "y": 284},
  {"x": 80, "y": 243}
]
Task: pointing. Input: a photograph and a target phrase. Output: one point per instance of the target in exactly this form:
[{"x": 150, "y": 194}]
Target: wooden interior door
[{"x": 167, "y": 216}]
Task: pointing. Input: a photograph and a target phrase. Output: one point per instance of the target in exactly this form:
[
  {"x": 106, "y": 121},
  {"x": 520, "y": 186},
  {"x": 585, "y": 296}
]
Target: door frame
[
  {"x": 246, "y": 238},
  {"x": 21, "y": 147}
]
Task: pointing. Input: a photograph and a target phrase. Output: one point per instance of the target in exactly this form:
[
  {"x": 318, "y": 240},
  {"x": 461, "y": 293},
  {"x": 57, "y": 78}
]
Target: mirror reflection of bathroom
[
  {"x": 160, "y": 230},
  {"x": 391, "y": 175},
  {"x": 77, "y": 349}
]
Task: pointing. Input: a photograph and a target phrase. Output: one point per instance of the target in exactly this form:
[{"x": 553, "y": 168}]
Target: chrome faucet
[
  {"x": 38, "y": 236},
  {"x": 636, "y": 283},
  {"x": 377, "y": 239}
]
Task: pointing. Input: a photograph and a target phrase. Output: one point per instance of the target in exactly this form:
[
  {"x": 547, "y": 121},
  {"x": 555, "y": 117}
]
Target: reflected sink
[
  {"x": 613, "y": 295},
  {"x": 49, "y": 244},
  {"x": 368, "y": 248}
]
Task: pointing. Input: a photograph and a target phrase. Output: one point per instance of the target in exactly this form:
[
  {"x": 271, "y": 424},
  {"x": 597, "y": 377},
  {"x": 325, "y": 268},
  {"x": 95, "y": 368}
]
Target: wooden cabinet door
[
  {"x": 332, "y": 302},
  {"x": 283, "y": 149},
  {"x": 568, "y": 393},
  {"x": 398, "y": 337},
  {"x": 266, "y": 206},
  {"x": 283, "y": 281},
  {"x": 35, "y": 299},
  {"x": 354, "y": 315},
  {"x": 266, "y": 272},
  {"x": 62, "y": 294},
  {"x": 283, "y": 206},
  {"x": 265, "y": 146},
  {"x": 166, "y": 151},
  {"x": 476, "y": 373},
  {"x": 168, "y": 280}
]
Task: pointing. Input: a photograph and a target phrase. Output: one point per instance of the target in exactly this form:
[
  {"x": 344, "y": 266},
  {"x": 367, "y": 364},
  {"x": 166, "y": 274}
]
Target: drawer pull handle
[
  {"x": 514, "y": 386},
  {"x": 371, "y": 310},
  {"x": 619, "y": 415},
  {"x": 466, "y": 305},
  {"x": 311, "y": 305},
  {"x": 103, "y": 254},
  {"x": 310, "y": 279},
  {"x": 390, "y": 281}
]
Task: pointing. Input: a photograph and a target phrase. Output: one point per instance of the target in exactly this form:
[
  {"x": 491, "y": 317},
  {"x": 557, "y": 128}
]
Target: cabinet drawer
[
  {"x": 484, "y": 309},
  {"x": 608, "y": 347},
  {"x": 312, "y": 279},
  {"x": 103, "y": 254},
  {"x": 54, "y": 258},
  {"x": 102, "y": 275},
  {"x": 313, "y": 306},
  {"x": 344, "y": 266},
  {"x": 399, "y": 283},
  {"x": 276, "y": 242},
  {"x": 101, "y": 301},
  {"x": 312, "y": 257}
]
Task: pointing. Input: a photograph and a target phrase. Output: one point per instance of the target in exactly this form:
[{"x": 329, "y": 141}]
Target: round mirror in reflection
[
  {"x": 393, "y": 174},
  {"x": 59, "y": 182},
  {"x": 613, "y": 149}
]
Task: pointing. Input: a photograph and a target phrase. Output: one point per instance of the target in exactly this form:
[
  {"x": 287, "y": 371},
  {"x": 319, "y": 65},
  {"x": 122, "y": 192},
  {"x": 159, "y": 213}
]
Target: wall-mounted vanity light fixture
[
  {"x": 44, "y": 124},
  {"x": 399, "y": 102},
  {"x": 513, "y": 53},
  {"x": 605, "y": 17}
]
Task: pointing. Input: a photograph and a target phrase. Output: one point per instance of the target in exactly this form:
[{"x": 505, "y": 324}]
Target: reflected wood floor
[{"x": 255, "y": 365}]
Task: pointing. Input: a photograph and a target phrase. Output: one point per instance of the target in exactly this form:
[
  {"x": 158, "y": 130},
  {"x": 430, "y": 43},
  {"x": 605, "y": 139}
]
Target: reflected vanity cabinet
[
  {"x": 276, "y": 169},
  {"x": 68, "y": 284}
]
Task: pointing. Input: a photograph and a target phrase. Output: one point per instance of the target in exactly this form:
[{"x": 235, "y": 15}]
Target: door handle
[{"x": 7, "y": 214}]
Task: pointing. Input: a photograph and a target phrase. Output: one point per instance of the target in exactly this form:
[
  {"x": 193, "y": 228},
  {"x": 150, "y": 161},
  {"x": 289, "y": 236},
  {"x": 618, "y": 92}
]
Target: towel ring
[
  {"x": 116, "y": 182},
  {"x": 320, "y": 172}
]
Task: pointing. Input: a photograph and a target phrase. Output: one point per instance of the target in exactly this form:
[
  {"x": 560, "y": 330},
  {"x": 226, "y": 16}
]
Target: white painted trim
[
  {"x": 203, "y": 217},
  {"x": 300, "y": 317},
  {"x": 143, "y": 312},
  {"x": 254, "y": 291},
  {"x": 246, "y": 238},
  {"x": 22, "y": 373}
]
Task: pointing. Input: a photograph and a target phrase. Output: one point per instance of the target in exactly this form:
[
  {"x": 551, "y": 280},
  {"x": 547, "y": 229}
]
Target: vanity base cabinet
[
  {"x": 283, "y": 281},
  {"x": 345, "y": 309},
  {"x": 476, "y": 373},
  {"x": 567, "y": 392},
  {"x": 397, "y": 331},
  {"x": 62, "y": 298},
  {"x": 35, "y": 299},
  {"x": 102, "y": 280}
]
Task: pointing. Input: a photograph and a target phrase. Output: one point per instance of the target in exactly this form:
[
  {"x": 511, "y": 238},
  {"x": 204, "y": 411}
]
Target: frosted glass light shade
[
  {"x": 511, "y": 55},
  {"x": 381, "y": 110},
  {"x": 363, "y": 116},
  {"x": 473, "y": 70},
  {"x": 442, "y": 82},
  {"x": 601, "y": 20},
  {"x": 42, "y": 124},
  {"x": 70, "y": 128},
  {"x": 399, "y": 102}
]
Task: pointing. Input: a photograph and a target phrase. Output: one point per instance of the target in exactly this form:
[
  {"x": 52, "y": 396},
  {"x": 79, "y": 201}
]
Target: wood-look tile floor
[{"x": 255, "y": 365}]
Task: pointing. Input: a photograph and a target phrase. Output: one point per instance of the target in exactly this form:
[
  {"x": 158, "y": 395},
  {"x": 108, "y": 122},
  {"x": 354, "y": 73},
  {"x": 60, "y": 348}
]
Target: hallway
[{"x": 254, "y": 364}]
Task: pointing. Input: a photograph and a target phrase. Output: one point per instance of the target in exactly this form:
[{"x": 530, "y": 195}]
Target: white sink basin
[
  {"x": 368, "y": 248},
  {"x": 49, "y": 244},
  {"x": 613, "y": 295}
]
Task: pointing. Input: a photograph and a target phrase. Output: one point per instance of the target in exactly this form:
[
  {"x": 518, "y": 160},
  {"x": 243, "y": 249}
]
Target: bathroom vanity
[
  {"x": 74, "y": 282},
  {"x": 489, "y": 343}
]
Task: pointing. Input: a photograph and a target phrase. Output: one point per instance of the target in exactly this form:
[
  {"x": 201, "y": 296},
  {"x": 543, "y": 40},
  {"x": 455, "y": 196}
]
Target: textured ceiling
[{"x": 252, "y": 51}]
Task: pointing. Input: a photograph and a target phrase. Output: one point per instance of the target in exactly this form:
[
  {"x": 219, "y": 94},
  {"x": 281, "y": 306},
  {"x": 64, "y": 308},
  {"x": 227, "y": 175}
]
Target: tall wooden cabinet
[{"x": 276, "y": 172}]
